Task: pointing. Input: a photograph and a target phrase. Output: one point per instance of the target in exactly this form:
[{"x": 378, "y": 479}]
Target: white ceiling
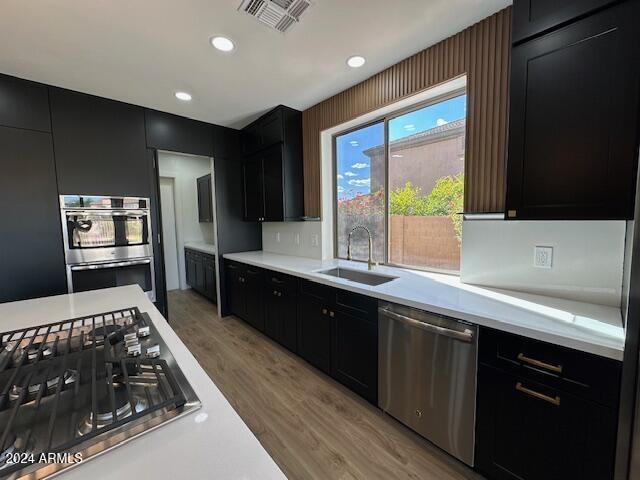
[{"x": 142, "y": 51}]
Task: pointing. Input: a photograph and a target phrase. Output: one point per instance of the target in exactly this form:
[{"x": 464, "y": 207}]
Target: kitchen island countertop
[{"x": 211, "y": 442}]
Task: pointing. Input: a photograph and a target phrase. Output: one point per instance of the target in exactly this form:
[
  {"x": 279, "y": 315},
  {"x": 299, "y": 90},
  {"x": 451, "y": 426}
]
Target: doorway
[{"x": 167, "y": 203}]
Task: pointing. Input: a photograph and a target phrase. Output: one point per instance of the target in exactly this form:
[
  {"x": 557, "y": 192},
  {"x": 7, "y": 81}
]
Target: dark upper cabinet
[
  {"x": 273, "y": 183},
  {"x": 273, "y": 127},
  {"x": 205, "y": 205},
  {"x": 31, "y": 255},
  {"x": 253, "y": 189},
  {"x": 99, "y": 145},
  {"x": 532, "y": 17},
  {"x": 573, "y": 135},
  {"x": 24, "y": 104},
  {"x": 179, "y": 134}
]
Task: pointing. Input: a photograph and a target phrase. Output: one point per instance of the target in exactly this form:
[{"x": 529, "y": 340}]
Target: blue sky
[{"x": 352, "y": 166}]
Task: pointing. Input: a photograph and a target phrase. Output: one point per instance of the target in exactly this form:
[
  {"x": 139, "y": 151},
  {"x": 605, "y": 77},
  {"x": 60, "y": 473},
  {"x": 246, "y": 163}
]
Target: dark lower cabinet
[
  {"x": 354, "y": 353},
  {"x": 201, "y": 273},
  {"x": 529, "y": 431},
  {"x": 334, "y": 330},
  {"x": 245, "y": 293},
  {"x": 544, "y": 412},
  {"x": 280, "y": 316},
  {"x": 314, "y": 332},
  {"x": 31, "y": 257}
]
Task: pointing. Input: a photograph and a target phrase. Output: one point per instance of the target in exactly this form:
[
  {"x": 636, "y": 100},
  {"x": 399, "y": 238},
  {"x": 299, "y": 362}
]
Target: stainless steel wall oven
[{"x": 107, "y": 242}]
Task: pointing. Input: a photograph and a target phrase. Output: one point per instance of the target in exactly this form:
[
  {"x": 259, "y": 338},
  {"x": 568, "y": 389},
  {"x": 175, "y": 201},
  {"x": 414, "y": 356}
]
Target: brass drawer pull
[
  {"x": 537, "y": 363},
  {"x": 541, "y": 396}
]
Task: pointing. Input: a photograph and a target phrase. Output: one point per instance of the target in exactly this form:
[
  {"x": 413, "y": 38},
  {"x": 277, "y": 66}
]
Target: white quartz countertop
[
  {"x": 204, "y": 247},
  {"x": 587, "y": 327},
  {"x": 212, "y": 442}
]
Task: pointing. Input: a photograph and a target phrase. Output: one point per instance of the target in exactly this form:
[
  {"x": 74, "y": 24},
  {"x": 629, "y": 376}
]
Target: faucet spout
[{"x": 370, "y": 262}]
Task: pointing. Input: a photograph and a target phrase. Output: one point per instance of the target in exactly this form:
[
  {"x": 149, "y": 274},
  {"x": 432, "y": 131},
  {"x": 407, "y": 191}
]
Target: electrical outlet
[
  {"x": 277, "y": 237},
  {"x": 314, "y": 240},
  {"x": 543, "y": 257}
]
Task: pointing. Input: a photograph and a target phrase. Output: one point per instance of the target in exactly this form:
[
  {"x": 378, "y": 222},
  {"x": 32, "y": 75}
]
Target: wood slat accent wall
[{"x": 482, "y": 51}]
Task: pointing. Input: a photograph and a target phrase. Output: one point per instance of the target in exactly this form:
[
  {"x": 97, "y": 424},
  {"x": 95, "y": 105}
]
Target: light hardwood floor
[{"x": 312, "y": 426}]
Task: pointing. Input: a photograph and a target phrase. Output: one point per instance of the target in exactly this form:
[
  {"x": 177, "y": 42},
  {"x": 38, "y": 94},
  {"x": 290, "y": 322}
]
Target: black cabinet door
[
  {"x": 574, "y": 120},
  {"x": 527, "y": 431},
  {"x": 251, "y": 139},
  {"x": 31, "y": 257},
  {"x": 314, "y": 333},
  {"x": 210, "y": 280},
  {"x": 205, "y": 206},
  {"x": 100, "y": 146},
  {"x": 354, "y": 353},
  {"x": 253, "y": 189},
  {"x": 190, "y": 270},
  {"x": 199, "y": 263},
  {"x": 532, "y": 17},
  {"x": 273, "y": 184},
  {"x": 178, "y": 134},
  {"x": 253, "y": 281},
  {"x": 235, "y": 288},
  {"x": 280, "y": 317},
  {"x": 24, "y": 104},
  {"x": 271, "y": 128}
]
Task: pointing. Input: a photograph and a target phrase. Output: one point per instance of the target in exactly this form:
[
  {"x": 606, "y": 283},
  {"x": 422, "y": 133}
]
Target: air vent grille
[{"x": 280, "y": 15}]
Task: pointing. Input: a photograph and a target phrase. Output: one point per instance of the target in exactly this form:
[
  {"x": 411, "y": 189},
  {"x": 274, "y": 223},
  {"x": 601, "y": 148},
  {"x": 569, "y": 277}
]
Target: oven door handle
[
  {"x": 99, "y": 266},
  {"x": 102, "y": 213}
]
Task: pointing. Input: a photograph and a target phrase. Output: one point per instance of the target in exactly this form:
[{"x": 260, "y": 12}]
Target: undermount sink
[{"x": 359, "y": 276}]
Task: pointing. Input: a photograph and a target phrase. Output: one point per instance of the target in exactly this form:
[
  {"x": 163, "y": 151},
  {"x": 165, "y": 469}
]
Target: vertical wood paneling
[{"x": 482, "y": 51}]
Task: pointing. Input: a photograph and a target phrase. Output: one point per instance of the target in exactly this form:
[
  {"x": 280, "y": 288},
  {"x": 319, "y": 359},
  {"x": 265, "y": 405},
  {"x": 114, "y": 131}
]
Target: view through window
[{"x": 418, "y": 223}]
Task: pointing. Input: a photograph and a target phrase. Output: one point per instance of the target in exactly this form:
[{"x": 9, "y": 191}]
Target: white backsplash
[
  {"x": 301, "y": 239},
  {"x": 587, "y": 262}
]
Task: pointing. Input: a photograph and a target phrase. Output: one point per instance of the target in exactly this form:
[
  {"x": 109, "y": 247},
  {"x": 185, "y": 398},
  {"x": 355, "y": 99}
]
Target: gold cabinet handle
[
  {"x": 324, "y": 311},
  {"x": 541, "y": 396},
  {"x": 331, "y": 314},
  {"x": 537, "y": 363}
]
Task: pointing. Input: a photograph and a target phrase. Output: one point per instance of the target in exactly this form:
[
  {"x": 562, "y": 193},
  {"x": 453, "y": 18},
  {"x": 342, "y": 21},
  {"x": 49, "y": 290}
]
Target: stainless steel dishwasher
[{"x": 427, "y": 376}]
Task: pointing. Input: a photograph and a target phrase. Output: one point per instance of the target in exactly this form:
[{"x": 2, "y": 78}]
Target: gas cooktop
[{"x": 74, "y": 389}]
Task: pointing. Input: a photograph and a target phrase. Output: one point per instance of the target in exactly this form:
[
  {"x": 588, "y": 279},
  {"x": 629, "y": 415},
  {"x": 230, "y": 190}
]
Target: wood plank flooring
[{"x": 313, "y": 427}]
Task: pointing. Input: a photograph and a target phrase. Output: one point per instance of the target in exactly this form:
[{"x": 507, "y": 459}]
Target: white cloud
[
  {"x": 350, "y": 174},
  {"x": 340, "y": 189},
  {"x": 339, "y": 177},
  {"x": 360, "y": 165},
  {"x": 364, "y": 182},
  {"x": 441, "y": 121}
]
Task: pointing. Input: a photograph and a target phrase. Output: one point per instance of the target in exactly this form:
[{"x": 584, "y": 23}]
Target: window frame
[{"x": 385, "y": 119}]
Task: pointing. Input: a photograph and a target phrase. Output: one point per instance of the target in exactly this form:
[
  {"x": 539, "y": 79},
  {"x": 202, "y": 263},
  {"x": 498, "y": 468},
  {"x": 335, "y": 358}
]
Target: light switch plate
[
  {"x": 277, "y": 237},
  {"x": 296, "y": 239},
  {"x": 543, "y": 257}
]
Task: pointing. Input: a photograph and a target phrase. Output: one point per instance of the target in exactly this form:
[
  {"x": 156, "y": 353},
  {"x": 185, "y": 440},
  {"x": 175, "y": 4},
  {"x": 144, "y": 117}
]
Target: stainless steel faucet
[{"x": 370, "y": 262}]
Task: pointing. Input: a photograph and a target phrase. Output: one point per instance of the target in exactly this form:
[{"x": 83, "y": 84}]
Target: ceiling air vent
[{"x": 278, "y": 14}]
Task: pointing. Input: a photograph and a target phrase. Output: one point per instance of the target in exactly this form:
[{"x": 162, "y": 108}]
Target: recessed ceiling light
[
  {"x": 184, "y": 96},
  {"x": 356, "y": 61},
  {"x": 222, "y": 43},
  {"x": 397, "y": 155}
]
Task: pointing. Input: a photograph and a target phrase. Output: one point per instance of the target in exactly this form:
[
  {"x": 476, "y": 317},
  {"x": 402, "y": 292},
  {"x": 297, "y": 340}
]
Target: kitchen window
[{"x": 402, "y": 177}]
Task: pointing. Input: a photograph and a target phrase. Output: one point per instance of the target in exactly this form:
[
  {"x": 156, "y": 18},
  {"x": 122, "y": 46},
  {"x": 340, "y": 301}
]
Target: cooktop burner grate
[{"x": 65, "y": 385}]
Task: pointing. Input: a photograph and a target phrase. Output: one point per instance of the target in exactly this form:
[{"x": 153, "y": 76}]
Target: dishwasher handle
[{"x": 463, "y": 336}]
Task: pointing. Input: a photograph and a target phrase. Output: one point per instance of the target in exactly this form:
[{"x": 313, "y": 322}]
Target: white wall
[
  {"x": 185, "y": 169},
  {"x": 587, "y": 264}
]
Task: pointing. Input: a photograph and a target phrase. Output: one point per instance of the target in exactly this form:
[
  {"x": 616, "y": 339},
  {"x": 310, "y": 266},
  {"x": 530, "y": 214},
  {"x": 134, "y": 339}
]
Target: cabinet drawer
[
  {"x": 317, "y": 291},
  {"x": 281, "y": 281},
  {"x": 356, "y": 304},
  {"x": 584, "y": 374}
]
